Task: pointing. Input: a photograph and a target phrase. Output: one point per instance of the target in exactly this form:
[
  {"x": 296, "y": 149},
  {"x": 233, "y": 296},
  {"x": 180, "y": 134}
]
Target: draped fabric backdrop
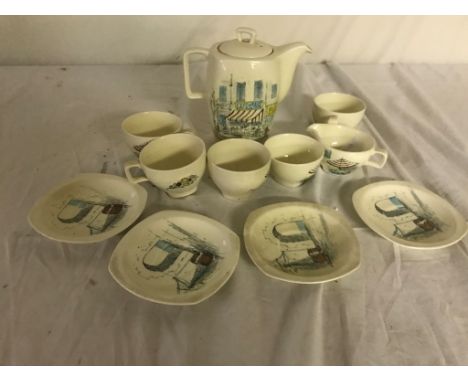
[
  {"x": 43, "y": 40},
  {"x": 60, "y": 306}
]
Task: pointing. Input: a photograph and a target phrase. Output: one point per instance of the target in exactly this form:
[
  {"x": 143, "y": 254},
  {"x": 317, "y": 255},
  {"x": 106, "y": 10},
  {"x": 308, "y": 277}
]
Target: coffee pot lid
[{"x": 245, "y": 46}]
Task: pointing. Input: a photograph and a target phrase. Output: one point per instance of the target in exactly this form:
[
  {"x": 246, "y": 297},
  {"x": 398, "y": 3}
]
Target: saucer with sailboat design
[
  {"x": 409, "y": 215},
  {"x": 301, "y": 242},
  {"x": 88, "y": 208},
  {"x": 175, "y": 258}
]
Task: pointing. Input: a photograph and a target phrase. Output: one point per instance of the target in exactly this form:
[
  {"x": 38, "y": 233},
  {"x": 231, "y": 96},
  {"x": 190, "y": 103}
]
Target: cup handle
[
  {"x": 332, "y": 120},
  {"x": 378, "y": 164},
  {"x": 312, "y": 129},
  {"x": 130, "y": 177},
  {"x": 188, "y": 128}
]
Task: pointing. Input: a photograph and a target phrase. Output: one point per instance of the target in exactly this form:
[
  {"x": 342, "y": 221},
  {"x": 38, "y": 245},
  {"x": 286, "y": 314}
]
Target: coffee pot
[{"x": 246, "y": 79}]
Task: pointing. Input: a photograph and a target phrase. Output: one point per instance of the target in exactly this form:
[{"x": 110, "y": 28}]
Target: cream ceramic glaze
[
  {"x": 345, "y": 109},
  {"x": 87, "y": 209},
  {"x": 238, "y": 166},
  {"x": 175, "y": 258},
  {"x": 346, "y": 148},
  {"x": 294, "y": 158},
  {"x": 246, "y": 79},
  {"x": 141, "y": 128},
  {"x": 174, "y": 163},
  {"x": 303, "y": 243},
  {"x": 409, "y": 215}
]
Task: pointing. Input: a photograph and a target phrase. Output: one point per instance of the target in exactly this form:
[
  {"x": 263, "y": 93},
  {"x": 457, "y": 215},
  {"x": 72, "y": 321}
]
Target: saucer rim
[
  {"x": 458, "y": 232},
  {"x": 234, "y": 240},
  {"x": 354, "y": 262},
  {"x": 142, "y": 197}
]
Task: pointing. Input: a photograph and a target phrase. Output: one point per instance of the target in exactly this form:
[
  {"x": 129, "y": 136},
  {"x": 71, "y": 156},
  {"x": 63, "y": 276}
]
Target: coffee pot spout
[{"x": 288, "y": 56}]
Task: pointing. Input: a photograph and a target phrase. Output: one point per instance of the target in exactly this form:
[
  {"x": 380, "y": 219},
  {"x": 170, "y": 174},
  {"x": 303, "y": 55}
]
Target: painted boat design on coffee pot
[{"x": 246, "y": 79}]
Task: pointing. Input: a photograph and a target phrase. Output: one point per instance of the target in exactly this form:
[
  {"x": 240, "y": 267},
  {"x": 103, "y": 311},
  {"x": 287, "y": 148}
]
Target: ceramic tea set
[
  {"x": 180, "y": 258},
  {"x": 246, "y": 79},
  {"x": 175, "y": 162}
]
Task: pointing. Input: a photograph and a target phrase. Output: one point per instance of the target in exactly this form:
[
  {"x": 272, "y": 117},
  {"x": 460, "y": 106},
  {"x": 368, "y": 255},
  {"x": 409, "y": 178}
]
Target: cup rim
[
  {"x": 350, "y": 129},
  {"x": 362, "y": 104},
  {"x": 209, "y": 154},
  {"x": 302, "y": 136},
  {"x": 146, "y": 113},
  {"x": 160, "y": 140}
]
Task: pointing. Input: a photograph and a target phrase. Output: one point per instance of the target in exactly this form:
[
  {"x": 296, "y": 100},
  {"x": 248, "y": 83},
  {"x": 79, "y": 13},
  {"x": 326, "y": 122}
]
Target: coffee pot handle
[
  {"x": 382, "y": 153},
  {"x": 186, "y": 62},
  {"x": 130, "y": 177}
]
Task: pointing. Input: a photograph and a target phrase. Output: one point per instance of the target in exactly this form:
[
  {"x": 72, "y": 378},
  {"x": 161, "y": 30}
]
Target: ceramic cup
[
  {"x": 141, "y": 128},
  {"x": 238, "y": 166},
  {"x": 294, "y": 158},
  {"x": 174, "y": 163},
  {"x": 343, "y": 108},
  {"x": 346, "y": 148}
]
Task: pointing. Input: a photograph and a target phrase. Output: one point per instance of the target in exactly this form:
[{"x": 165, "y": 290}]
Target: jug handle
[
  {"x": 186, "y": 61},
  {"x": 128, "y": 174},
  {"x": 377, "y": 164}
]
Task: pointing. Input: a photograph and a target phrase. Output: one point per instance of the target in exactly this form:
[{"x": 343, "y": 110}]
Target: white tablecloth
[{"x": 60, "y": 305}]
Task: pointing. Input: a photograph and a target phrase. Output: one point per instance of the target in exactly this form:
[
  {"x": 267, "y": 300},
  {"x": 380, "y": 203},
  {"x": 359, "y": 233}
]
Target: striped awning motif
[
  {"x": 241, "y": 115},
  {"x": 341, "y": 163}
]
